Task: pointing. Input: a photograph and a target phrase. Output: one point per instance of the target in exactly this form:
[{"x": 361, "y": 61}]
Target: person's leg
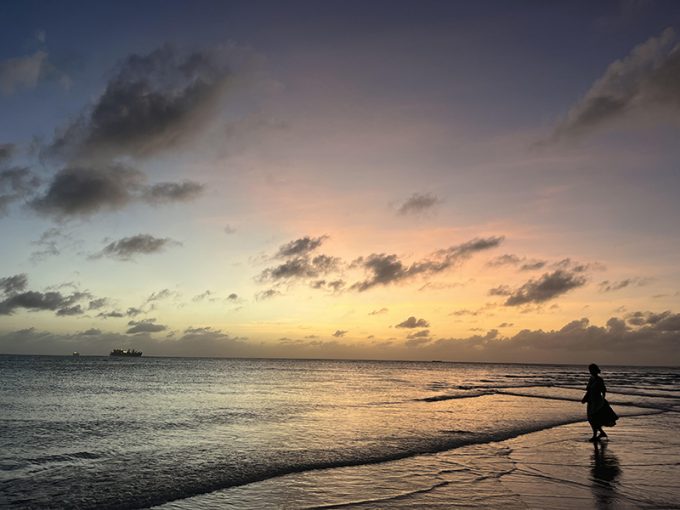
[
  {"x": 602, "y": 432},
  {"x": 592, "y": 426}
]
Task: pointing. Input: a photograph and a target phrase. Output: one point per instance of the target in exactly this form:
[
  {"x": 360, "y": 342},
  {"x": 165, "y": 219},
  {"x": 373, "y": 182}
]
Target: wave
[{"x": 274, "y": 471}]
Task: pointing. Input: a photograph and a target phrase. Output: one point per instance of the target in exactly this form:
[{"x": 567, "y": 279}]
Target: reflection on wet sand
[{"x": 605, "y": 473}]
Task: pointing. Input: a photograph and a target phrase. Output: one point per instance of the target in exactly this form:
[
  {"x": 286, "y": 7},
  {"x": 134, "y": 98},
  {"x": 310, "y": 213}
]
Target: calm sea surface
[{"x": 99, "y": 432}]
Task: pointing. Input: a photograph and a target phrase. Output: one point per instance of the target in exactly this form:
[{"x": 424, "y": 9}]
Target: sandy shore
[{"x": 638, "y": 467}]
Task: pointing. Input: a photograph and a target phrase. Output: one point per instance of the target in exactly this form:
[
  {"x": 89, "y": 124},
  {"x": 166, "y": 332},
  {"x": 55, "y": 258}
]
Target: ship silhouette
[{"x": 126, "y": 352}]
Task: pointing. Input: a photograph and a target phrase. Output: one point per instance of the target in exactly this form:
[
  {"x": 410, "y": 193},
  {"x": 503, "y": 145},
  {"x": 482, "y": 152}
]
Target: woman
[{"x": 599, "y": 412}]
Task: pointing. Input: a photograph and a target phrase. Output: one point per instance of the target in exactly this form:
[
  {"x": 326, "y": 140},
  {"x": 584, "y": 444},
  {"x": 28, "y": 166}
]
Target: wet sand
[{"x": 638, "y": 467}]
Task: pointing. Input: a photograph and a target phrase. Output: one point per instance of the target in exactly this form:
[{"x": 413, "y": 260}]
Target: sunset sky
[{"x": 473, "y": 181}]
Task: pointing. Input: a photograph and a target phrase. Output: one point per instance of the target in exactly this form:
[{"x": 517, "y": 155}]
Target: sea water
[{"x": 100, "y": 432}]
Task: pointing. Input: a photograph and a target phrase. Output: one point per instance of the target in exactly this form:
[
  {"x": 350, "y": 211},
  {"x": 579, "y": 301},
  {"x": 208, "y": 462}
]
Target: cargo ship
[{"x": 126, "y": 352}]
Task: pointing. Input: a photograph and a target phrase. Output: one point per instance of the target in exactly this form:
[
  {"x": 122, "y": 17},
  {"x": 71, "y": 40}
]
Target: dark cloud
[
  {"x": 513, "y": 260},
  {"x": 504, "y": 260},
  {"x": 418, "y": 339},
  {"x": 232, "y": 297},
  {"x": 412, "y": 322},
  {"x": 152, "y": 103},
  {"x": 505, "y": 325},
  {"x": 134, "y": 311},
  {"x": 501, "y": 290},
  {"x": 267, "y": 294},
  {"x": 141, "y": 244},
  {"x": 385, "y": 269},
  {"x": 547, "y": 287},
  {"x": 339, "y": 333},
  {"x": 86, "y": 190},
  {"x": 578, "y": 342},
  {"x": 13, "y": 284},
  {"x": 302, "y": 246},
  {"x": 96, "y": 304},
  {"x": 204, "y": 296},
  {"x": 35, "y": 301},
  {"x": 333, "y": 285},
  {"x": 114, "y": 314},
  {"x": 16, "y": 184},
  {"x": 7, "y": 151},
  {"x": 16, "y": 296},
  {"x": 160, "y": 295},
  {"x": 533, "y": 265},
  {"x": 608, "y": 286},
  {"x": 379, "y": 311},
  {"x": 145, "y": 326},
  {"x": 418, "y": 203},
  {"x": 164, "y": 192},
  {"x": 301, "y": 267},
  {"x": 648, "y": 79},
  {"x": 20, "y": 72},
  {"x": 229, "y": 230},
  {"x": 577, "y": 267}
]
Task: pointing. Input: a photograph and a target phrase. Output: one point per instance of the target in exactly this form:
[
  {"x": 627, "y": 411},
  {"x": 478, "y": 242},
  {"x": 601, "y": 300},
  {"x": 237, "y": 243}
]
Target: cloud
[
  {"x": 16, "y": 296},
  {"x": 547, "y": 287},
  {"x": 647, "y": 79},
  {"x": 513, "y": 260},
  {"x": 160, "y": 295},
  {"x": 21, "y": 72},
  {"x": 417, "y": 339},
  {"x": 578, "y": 342},
  {"x": 7, "y": 151},
  {"x": 339, "y": 333},
  {"x": 16, "y": 184},
  {"x": 36, "y": 301},
  {"x": 418, "y": 203},
  {"x": 229, "y": 229},
  {"x": 165, "y": 192},
  {"x": 505, "y": 325},
  {"x": 145, "y": 326},
  {"x": 385, "y": 269},
  {"x": 301, "y": 267},
  {"x": 152, "y": 103},
  {"x": 607, "y": 286},
  {"x": 412, "y": 322},
  {"x": 203, "y": 296},
  {"x": 141, "y": 244},
  {"x": 299, "y": 247},
  {"x": 533, "y": 265},
  {"x": 334, "y": 285},
  {"x": 83, "y": 191},
  {"x": 98, "y": 303},
  {"x": 232, "y": 297},
  {"x": 379, "y": 311},
  {"x": 13, "y": 284},
  {"x": 504, "y": 260},
  {"x": 267, "y": 294}
]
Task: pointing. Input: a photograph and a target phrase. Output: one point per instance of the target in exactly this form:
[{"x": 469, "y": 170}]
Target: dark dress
[{"x": 599, "y": 412}]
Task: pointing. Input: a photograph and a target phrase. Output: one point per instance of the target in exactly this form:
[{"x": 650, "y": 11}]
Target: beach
[
  {"x": 180, "y": 433},
  {"x": 638, "y": 467}
]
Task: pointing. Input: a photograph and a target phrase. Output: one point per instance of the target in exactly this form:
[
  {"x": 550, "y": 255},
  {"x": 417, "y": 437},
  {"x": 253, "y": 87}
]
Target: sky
[{"x": 430, "y": 180}]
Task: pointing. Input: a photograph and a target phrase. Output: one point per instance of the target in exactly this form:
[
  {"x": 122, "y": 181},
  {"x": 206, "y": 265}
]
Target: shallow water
[{"x": 97, "y": 432}]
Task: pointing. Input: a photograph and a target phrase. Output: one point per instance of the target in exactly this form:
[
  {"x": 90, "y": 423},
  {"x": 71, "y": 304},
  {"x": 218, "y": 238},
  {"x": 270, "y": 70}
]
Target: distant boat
[
  {"x": 126, "y": 352},
  {"x": 76, "y": 354}
]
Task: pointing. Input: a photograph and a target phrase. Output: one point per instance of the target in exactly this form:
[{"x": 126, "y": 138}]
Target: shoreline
[{"x": 556, "y": 467}]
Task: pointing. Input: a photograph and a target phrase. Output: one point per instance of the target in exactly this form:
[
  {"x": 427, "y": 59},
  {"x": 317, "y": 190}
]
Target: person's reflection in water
[{"x": 605, "y": 473}]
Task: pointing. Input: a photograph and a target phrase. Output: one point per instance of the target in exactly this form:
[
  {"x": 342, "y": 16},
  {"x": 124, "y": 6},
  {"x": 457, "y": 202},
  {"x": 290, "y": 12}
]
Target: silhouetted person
[{"x": 599, "y": 412}]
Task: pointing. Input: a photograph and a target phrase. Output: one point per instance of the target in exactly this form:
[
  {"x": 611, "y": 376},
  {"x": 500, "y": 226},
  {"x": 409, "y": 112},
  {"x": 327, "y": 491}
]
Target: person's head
[{"x": 594, "y": 369}]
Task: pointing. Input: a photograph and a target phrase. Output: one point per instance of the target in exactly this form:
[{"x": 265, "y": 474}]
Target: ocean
[{"x": 100, "y": 432}]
